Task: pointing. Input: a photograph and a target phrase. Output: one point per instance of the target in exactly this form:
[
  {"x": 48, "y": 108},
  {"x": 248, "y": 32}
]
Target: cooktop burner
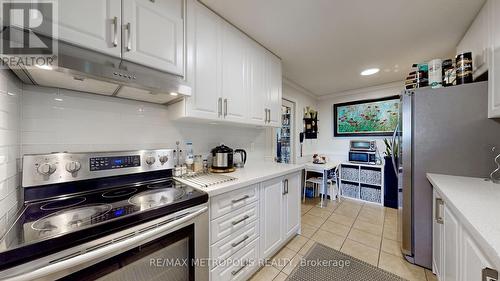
[
  {"x": 63, "y": 203},
  {"x": 119, "y": 193},
  {"x": 69, "y": 219},
  {"x": 153, "y": 198}
]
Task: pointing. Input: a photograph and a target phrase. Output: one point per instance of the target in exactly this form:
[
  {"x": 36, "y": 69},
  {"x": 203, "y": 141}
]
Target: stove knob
[
  {"x": 163, "y": 159},
  {"x": 73, "y": 166},
  {"x": 46, "y": 169},
  {"x": 150, "y": 160}
]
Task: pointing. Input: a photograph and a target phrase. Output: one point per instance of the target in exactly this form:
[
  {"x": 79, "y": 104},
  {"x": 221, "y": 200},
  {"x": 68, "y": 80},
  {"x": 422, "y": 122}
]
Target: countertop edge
[
  {"x": 474, "y": 233},
  {"x": 230, "y": 186}
]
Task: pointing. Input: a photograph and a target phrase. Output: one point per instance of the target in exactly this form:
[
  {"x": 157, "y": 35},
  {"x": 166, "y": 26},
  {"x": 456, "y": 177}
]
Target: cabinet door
[
  {"x": 93, "y": 24},
  {"x": 437, "y": 237},
  {"x": 203, "y": 62},
  {"x": 275, "y": 90},
  {"x": 271, "y": 221},
  {"x": 153, "y": 34},
  {"x": 291, "y": 206},
  {"x": 473, "y": 260},
  {"x": 451, "y": 241},
  {"x": 234, "y": 67},
  {"x": 257, "y": 86},
  {"x": 476, "y": 40},
  {"x": 494, "y": 61}
]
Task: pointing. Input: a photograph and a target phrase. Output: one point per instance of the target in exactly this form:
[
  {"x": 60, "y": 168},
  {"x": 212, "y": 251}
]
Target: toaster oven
[{"x": 363, "y": 145}]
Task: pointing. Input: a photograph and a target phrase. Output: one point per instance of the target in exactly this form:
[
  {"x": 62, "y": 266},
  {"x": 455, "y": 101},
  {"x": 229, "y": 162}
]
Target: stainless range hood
[{"x": 88, "y": 71}]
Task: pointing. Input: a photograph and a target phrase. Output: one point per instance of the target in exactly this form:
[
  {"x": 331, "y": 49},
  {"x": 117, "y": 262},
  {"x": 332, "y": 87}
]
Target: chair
[
  {"x": 334, "y": 186},
  {"x": 316, "y": 183}
]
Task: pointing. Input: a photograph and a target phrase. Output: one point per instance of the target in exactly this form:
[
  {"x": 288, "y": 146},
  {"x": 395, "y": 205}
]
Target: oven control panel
[
  {"x": 65, "y": 167},
  {"x": 116, "y": 162}
]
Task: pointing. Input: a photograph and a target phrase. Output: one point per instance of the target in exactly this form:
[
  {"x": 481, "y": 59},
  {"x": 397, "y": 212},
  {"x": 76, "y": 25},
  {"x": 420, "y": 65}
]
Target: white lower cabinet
[
  {"x": 451, "y": 246},
  {"x": 251, "y": 224},
  {"x": 272, "y": 194},
  {"x": 437, "y": 237},
  {"x": 291, "y": 204},
  {"x": 473, "y": 259},
  {"x": 456, "y": 255}
]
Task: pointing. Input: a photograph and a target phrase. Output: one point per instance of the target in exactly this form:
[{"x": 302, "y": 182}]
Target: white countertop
[
  {"x": 253, "y": 173},
  {"x": 476, "y": 203}
]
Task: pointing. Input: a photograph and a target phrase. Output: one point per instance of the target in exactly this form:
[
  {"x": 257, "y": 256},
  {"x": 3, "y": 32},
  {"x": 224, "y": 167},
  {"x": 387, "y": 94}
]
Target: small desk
[{"x": 323, "y": 169}]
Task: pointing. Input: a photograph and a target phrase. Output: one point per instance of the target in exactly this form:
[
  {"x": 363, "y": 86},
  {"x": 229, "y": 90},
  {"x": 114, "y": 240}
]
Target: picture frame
[{"x": 371, "y": 117}]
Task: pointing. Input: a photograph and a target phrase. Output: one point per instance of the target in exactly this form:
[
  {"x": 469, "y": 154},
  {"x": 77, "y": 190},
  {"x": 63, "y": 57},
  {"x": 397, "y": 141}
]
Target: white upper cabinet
[
  {"x": 494, "y": 60},
  {"x": 234, "y": 79},
  {"x": 234, "y": 82},
  {"x": 258, "y": 94},
  {"x": 274, "y": 89},
  {"x": 204, "y": 62},
  {"x": 94, "y": 24},
  {"x": 476, "y": 40},
  {"x": 153, "y": 34}
]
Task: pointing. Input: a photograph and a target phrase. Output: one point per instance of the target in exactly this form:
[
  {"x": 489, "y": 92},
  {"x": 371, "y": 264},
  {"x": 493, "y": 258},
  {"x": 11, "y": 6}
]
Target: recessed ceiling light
[
  {"x": 58, "y": 99},
  {"x": 370, "y": 71},
  {"x": 10, "y": 94},
  {"x": 174, "y": 94}
]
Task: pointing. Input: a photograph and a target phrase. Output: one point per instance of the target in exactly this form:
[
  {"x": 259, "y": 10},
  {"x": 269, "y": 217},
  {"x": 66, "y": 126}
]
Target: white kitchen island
[{"x": 466, "y": 228}]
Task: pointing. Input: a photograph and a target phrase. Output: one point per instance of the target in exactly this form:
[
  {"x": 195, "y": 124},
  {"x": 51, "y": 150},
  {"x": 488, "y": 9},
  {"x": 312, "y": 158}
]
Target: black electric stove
[{"x": 66, "y": 213}]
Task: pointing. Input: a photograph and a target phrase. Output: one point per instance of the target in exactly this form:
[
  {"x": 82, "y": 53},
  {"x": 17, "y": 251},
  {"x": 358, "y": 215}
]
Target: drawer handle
[
  {"x": 241, "y": 199},
  {"x": 240, "y": 221},
  {"x": 489, "y": 274},
  {"x": 242, "y": 240},
  {"x": 438, "y": 217},
  {"x": 234, "y": 272}
]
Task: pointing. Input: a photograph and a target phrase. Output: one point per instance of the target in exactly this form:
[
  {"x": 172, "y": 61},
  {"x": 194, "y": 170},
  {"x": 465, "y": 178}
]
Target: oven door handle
[{"x": 55, "y": 266}]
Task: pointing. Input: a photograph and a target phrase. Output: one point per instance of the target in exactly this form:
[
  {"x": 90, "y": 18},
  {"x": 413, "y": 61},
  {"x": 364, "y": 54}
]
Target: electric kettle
[{"x": 240, "y": 158}]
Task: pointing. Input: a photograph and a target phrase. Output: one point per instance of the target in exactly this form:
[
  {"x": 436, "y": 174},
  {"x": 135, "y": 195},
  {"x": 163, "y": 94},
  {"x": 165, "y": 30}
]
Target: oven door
[{"x": 174, "y": 247}]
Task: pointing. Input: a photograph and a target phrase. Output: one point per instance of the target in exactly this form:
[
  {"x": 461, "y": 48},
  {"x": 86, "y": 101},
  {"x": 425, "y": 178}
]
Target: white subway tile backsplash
[
  {"x": 10, "y": 115},
  {"x": 87, "y": 122}
]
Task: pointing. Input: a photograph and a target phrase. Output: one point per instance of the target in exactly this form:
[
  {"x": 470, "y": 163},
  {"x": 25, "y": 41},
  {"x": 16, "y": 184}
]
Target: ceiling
[{"x": 325, "y": 44}]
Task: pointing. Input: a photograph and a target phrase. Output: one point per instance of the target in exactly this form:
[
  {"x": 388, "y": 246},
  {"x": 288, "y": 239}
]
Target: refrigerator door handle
[{"x": 393, "y": 157}]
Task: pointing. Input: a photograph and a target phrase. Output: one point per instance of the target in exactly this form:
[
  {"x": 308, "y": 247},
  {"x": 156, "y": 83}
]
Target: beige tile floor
[{"x": 365, "y": 231}]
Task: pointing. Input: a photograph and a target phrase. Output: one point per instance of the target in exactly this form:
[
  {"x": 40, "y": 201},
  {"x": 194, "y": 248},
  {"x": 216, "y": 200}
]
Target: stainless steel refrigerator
[{"x": 446, "y": 131}]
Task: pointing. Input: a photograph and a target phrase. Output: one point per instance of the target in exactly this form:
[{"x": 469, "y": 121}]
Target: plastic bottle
[{"x": 189, "y": 155}]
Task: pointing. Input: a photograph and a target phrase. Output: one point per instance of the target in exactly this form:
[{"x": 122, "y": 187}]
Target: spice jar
[
  {"x": 449, "y": 77},
  {"x": 463, "y": 64},
  {"x": 435, "y": 73}
]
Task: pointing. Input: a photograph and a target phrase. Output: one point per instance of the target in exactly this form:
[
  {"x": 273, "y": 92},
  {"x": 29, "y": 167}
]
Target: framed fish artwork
[{"x": 376, "y": 117}]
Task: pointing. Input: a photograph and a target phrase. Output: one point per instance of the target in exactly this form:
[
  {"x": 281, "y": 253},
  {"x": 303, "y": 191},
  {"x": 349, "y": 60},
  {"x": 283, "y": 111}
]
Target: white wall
[
  {"x": 338, "y": 147},
  {"x": 301, "y": 98},
  {"x": 10, "y": 110},
  {"x": 87, "y": 122}
]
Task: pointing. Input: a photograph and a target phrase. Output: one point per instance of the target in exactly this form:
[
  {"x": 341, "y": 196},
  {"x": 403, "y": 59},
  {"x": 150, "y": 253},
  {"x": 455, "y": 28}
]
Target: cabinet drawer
[
  {"x": 226, "y": 247},
  {"x": 228, "y": 202},
  {"x": 239, "y": 267},
  {"x": 234, "y": 221}
]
